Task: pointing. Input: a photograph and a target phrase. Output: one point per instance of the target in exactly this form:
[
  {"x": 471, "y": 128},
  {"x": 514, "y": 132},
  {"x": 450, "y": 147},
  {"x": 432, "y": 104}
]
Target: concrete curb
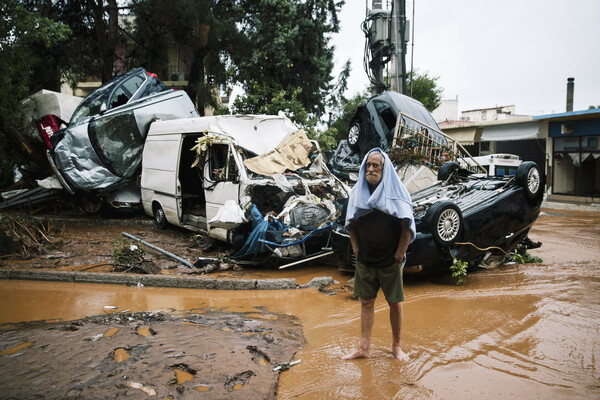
[{"x": 155, "y": 280}]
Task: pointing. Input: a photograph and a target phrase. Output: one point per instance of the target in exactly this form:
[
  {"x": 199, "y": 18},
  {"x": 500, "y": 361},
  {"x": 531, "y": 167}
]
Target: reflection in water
[
  {"x": 145, "y": 331},
  {"x": 522, "y": 331},
  {"x": 203, "y": 388},
  {"x": 182, "y": 376},
  {"x": 110, "y": 332},
  {"x": 15, "y": 349},
  {"x": 121, "y": 355}
]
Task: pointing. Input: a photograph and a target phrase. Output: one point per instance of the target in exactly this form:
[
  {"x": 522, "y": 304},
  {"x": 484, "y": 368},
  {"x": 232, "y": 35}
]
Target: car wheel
[
  {"x": 528, "y": 175},
  {"x": 160, "y": 219},
  {"x": 445, "y": 222},
  {"x": 446, "y": 170},
  {"x": 354, "y": 135}
]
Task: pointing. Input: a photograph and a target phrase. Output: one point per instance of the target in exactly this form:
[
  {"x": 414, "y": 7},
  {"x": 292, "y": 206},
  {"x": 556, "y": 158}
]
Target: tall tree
[
  {"x": 106, "y": 23},
  {"x": 425, "y": 89},
  {"x": 95, "y": 35},
  {"x": 21, "y": 34},
  {"x": 205, "y": 29},
  {"x": 290, "y": 49}
]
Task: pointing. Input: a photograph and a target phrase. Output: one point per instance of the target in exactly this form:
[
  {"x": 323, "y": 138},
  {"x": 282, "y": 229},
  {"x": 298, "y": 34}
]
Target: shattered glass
[{"x": 117, "y": 142}]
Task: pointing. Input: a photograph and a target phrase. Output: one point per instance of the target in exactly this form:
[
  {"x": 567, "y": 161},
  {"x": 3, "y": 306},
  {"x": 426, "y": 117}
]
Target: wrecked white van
[{"x": 257, "y": 182}]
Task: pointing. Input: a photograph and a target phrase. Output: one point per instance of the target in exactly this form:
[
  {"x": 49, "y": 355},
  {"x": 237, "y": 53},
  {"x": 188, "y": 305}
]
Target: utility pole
[
  {"x": 386, "y": 32},
  {"x": 399, "y": 38}
]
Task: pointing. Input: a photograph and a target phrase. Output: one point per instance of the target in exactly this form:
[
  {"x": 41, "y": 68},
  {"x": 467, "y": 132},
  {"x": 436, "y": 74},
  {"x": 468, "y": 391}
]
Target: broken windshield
[
  {"x": 92, "y": 104},
  {"x": 118, "y": 142},
  {"x": 101, "y": 100}
]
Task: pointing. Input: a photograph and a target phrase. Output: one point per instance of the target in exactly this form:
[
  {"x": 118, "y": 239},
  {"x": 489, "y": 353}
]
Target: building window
[{"x": 576, "y": 166}]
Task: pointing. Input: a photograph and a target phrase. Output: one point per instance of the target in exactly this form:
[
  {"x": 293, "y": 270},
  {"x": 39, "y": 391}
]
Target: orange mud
[{"x": 522, "y": 331}]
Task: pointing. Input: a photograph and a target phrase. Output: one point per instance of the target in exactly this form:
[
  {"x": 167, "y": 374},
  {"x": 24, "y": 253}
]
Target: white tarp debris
[
  {"x": 228, "y": 216},
  {"x": 50, "y": 182},
  {"x": 47, "y": 102}
]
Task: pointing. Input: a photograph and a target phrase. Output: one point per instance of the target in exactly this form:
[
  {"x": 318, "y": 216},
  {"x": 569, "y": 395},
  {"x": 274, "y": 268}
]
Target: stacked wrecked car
[
  {"x": 99, "y": 153},
  {"x": 464, "y": 209},
  {"x": 256, "y": 182}
]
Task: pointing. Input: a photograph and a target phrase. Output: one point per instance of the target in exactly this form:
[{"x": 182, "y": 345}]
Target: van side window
[
  {"x": 222, "y": 163},
  {"x": 218, "y": 161}
]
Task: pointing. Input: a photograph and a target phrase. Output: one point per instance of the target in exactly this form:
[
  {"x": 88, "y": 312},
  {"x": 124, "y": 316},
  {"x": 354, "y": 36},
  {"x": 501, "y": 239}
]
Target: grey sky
[{"x": 492, "y": 53}]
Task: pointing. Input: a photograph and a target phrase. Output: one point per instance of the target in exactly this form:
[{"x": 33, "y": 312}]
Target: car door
[{"x": 221, "y": 182}]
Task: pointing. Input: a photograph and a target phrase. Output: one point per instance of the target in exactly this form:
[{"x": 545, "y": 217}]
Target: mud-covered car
[
  {"x": 99, "y": 152},
  {"x": 380, "y": 122},
  {"x": 467, "y": 217},
  {"x": 255, "y": 181}
]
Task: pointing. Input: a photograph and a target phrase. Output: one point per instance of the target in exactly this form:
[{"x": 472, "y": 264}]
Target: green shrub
[{"x": 459, "y": 270}]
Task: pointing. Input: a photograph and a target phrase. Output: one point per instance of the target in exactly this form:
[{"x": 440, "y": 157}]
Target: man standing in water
[{"x": 381, "y": 225}]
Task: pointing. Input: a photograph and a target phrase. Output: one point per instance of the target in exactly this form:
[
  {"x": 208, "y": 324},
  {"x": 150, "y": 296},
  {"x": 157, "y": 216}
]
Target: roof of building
[
  {"x": 488, "y": 108},
  {"x": 591, "y": 113}
]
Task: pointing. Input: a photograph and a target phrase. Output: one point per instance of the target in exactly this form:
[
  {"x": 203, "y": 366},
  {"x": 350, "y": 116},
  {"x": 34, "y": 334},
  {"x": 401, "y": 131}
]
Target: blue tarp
[{"x": 260, "y": 226}]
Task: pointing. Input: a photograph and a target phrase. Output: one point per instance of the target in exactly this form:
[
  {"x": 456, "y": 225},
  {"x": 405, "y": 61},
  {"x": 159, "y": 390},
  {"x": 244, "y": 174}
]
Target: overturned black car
[
  {"x": 380, "y": 122},
  {"x": 466, "y": 216}
]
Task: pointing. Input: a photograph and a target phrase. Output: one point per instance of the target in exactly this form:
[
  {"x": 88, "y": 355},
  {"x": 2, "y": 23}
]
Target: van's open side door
[{"x": 221, "y": 183}]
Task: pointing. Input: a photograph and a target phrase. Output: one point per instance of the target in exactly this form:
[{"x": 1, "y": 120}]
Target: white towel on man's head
[{"x": 390, "y": 196}]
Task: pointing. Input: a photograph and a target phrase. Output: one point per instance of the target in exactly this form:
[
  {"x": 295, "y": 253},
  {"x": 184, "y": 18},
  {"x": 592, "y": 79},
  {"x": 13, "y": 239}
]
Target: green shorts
[{"x": 368, "y": 280}]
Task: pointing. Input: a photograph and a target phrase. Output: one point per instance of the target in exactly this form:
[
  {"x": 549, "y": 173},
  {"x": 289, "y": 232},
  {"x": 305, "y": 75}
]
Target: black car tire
[
  {"x": 353, "y": 135},
  {"x": 444, "y": 221},
  {"x": 160, "y": 219},
  {"x": 529, "y": 176},
  {"x": 446, "y": 170}
]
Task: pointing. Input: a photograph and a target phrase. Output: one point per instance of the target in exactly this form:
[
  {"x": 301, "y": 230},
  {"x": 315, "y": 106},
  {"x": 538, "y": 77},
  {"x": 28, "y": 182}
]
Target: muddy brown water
[{"x": 521, "y": 331}]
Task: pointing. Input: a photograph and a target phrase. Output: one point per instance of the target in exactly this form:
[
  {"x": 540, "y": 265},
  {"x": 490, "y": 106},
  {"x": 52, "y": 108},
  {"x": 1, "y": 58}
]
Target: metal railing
[{"x": 420, "y": 142}]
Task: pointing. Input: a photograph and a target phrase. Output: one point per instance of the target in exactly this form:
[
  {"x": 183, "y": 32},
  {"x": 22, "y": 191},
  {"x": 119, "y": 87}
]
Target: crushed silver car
[{"x": 100, "y": 151}]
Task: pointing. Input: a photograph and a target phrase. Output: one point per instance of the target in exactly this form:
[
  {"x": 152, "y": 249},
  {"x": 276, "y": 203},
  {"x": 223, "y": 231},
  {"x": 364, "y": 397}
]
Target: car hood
[{"x": 79, "y": 163}]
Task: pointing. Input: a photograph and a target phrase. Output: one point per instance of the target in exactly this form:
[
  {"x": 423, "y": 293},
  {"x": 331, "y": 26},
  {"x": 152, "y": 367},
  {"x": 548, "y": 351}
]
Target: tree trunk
[
  {"x": 107, "y": 40},
  {"x": 23, "y": 145}
]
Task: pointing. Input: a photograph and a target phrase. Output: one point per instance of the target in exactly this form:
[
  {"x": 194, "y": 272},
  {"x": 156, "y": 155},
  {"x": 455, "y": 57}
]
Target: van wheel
[{"x": 160, "y": 219}]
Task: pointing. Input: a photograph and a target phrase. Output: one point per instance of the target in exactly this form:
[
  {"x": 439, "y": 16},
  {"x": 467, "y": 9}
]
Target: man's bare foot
[
  {"x": 358, "y": 353},
  {"x": 399, "y": 354}
]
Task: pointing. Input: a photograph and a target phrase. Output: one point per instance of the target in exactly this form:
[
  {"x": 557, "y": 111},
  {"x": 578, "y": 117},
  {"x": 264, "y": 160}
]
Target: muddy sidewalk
[{"x": 144, "y": 354}]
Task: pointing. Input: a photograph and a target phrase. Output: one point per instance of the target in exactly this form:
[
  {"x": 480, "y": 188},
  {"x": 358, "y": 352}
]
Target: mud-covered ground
[
  {"x": 149, "y": 354},
  {"x": 526, "y": 331},
  {"x": 88, "y": 243},
  {"x": 122, "y": 354}
]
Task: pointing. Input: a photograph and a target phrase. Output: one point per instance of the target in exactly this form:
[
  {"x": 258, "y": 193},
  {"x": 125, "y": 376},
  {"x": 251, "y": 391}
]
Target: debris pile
[
  {"x": 128, "y": 254},
  {"x": 26, "y": 237}
]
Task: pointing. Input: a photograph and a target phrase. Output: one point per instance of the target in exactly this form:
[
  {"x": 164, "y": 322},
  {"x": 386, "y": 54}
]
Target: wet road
[{"x": 521, "y": 331}]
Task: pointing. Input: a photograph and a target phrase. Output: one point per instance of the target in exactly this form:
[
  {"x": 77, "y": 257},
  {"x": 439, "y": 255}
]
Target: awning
[
  {"x": 464, "y": 136},
  {"x": 506, "y": 132}
]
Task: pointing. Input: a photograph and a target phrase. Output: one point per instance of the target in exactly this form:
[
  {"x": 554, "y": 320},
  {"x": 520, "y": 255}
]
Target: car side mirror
[{"x": 102, "y": 108}]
